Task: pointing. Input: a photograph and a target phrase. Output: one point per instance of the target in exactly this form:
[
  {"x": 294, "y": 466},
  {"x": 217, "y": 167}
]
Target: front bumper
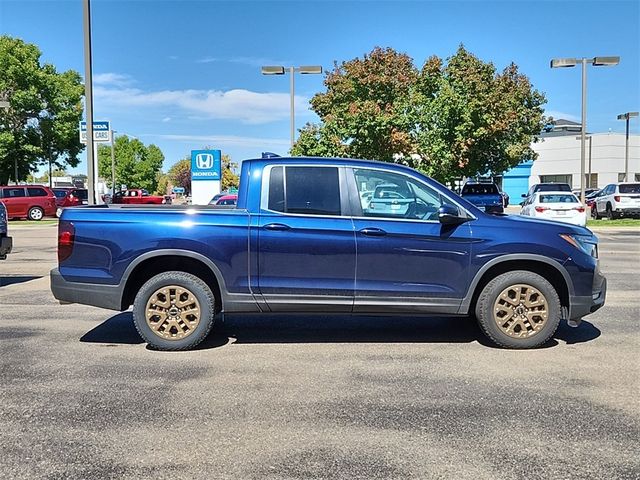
[
  {"x": 6, "y": 244},
  {"x": 583, "y": 306},
  {"x": 97, "y": 295}
]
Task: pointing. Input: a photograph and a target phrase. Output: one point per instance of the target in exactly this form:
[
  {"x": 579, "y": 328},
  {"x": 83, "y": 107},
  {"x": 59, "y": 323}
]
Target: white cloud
[
  {"x": 224, "y": 140},
  {"x": 251, "y": 61},
  {"x": 114, "y": 79},
  {"x": 557, "y": 115},
  {"x": 166, "y": 119},
  {"x": 237, "y": 104}
]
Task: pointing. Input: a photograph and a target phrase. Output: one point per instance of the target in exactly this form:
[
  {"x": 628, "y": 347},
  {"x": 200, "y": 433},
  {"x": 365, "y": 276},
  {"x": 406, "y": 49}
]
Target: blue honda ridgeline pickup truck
[{"x": 328, "y": 235}]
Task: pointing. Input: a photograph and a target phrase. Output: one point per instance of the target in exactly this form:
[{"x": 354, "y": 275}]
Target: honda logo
[{"x": 204, "y": 161}]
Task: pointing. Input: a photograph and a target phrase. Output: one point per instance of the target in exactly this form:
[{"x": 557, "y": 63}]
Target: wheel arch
[
  {"x": 153, "y": 263},
  {"x": 550, "y": 269}
]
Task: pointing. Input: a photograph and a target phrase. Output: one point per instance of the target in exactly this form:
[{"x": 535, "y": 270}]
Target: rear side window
[
  {"x": 305, "y": 190},
  {"x": 13, "y": 192},
  {"x": 630, "y": 188},
  {"x": 312, "y": 190},
  {"x": 36, "y": 192},
  {"x": 60, "y": 193},
  {"x": 81, "y": 194}
]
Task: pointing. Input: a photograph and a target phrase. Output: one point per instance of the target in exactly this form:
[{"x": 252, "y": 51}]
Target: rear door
[
  {"x": 306, "y": 243},
  {"x": 407, "y": 261}
]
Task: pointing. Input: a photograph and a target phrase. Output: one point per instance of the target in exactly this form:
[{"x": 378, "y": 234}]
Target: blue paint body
[{"x": 271, "y": 261}]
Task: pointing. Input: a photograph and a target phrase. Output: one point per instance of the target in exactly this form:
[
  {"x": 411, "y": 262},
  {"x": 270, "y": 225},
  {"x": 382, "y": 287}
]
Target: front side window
[
  {"x": 392, "y": 195},
  {"x": 305, "y": 190}
]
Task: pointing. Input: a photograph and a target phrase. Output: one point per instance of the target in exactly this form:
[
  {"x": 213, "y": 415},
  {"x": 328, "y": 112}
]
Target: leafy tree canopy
[
  {"x": 137, "y": 165},
  {"x": 448, "y": 119},
  {"x": 45, "y": 107}
]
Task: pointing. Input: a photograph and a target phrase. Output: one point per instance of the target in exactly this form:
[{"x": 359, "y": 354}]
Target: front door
[
  {"x": 306, "y": 247},
  {"x": 407, "y": 260}
]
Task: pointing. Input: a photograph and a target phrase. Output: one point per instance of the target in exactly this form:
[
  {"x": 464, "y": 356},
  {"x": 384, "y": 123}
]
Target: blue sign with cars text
[{"x": 205, "y": 165}]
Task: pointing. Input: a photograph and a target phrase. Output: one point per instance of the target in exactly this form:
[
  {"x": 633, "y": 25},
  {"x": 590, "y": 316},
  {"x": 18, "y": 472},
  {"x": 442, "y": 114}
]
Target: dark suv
[
  {"x": 28, "y": 201},
  {"x": 5, "y": 240}
]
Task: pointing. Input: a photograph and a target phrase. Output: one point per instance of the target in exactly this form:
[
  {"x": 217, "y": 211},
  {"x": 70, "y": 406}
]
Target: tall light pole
[
  {"x": 588, "y": 174},
  {"x": 113, "y": 165},
  {"x": 5, "y": 105},
  {"x": 280, "y": 70},
  {"x": 572, "y": 62},
  {"x": 626, "y": 117},
  {"x": 88, "y": 97}
]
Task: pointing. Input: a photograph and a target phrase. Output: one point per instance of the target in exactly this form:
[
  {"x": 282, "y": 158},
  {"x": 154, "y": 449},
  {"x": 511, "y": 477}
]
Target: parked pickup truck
[
  {"x": 5, "y": 240},
  {"x": 139, "y": 196},
  {"x": 485, "y": 196},
  {"x": 306, "y": 236}
]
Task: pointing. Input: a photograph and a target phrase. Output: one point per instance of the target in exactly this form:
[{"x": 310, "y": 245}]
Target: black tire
[
  {"x": 487, "y": 317},
  {"x": 193, "y": 285},
  {"x": 35, "y": 213},
  {"x": 610, "y": 214},
  {"x": 594, "y": 213}
]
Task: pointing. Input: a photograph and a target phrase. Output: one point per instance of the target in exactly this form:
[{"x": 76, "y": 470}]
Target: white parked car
[
  {"x": 558, "y": 206},
  {"x": 618, "y": 200}
]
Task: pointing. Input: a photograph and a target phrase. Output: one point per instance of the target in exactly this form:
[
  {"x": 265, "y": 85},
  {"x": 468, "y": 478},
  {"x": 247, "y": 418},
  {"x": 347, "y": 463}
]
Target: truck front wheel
[
  {"x": 174, "y": 311},
  {"x": 519, "y": 309}
]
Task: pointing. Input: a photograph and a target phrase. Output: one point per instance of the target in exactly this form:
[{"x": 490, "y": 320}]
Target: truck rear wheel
[
  {"x": 519, "y": 309},
  {"x": 174, "y": 311}
]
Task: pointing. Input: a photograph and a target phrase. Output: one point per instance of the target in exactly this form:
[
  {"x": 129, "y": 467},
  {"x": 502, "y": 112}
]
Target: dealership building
[{"x": 558, "y": 150}]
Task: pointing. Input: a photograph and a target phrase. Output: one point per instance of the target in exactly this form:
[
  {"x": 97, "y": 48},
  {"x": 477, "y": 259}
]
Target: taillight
[
  {"x": 616, "y": 198},
  {"x": 66, "y": 237},
  {"x": 580, "y": 209},
  {"x": 541, "y": 209}
]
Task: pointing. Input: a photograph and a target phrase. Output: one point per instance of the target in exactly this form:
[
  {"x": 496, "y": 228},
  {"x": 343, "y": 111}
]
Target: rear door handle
[
  {"x": 373, "y": 232},
  {"x": 277, "y": 226}
]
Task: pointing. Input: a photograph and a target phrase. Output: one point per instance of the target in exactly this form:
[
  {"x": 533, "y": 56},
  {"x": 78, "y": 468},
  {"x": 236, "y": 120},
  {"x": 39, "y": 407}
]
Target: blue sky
[{"x": 184, "y": 74}]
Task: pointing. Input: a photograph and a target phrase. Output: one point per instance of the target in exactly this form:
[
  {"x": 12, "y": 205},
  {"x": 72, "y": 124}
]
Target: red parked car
[
  {"x": 28, "y": 201},
  {"x": 139, "y": 196},
  {"x": 70, "y": 197},
  {"x": 227, "y": 200}
]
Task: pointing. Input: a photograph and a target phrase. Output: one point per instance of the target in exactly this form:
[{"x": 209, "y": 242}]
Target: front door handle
[
  {"x": 373, "y": 232},
  {"x": 277, "y": 226}
]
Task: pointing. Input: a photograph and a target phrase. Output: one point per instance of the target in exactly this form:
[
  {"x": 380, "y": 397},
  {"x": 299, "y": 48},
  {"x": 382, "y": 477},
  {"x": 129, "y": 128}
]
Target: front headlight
[{"x": 587, "y": 243}]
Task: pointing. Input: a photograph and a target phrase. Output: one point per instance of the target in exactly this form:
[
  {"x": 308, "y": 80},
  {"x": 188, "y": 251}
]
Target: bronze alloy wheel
[
  {"x": 173, "y": 312},
  {"x": 520, "y": 311}
]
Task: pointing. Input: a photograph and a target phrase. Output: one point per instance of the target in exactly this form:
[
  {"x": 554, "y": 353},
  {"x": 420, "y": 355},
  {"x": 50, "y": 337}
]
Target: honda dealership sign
[{"x": 206, "y": 172}]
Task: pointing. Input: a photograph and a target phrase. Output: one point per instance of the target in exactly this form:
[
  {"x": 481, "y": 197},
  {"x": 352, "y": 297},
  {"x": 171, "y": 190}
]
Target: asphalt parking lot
[{"x": 313, "y": 397}]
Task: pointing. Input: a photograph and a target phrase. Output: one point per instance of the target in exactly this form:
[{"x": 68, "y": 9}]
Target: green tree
[
  {"x": 136, "y": 164},
  {"x": 163, "y": 184},
  {"x": 229, "y": 177},
  {"x": 41, "y": 124},
  {"x": 448, "y": 120},
  {"x": 180, "y": 174}
]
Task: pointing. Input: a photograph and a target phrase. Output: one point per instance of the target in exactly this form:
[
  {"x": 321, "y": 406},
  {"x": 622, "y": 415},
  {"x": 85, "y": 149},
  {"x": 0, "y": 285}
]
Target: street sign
[{"x": 101, "y": 132}]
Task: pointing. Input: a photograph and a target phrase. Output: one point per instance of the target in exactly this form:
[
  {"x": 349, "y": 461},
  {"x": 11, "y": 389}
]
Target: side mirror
[
  {"x": 449, "y": 215},
  {"x": 524, "y": 195}
]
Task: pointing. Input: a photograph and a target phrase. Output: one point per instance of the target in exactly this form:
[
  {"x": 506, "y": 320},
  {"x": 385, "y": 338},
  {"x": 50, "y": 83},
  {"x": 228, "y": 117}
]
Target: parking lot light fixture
[
  {"x": 572, "y": 62},
  {"x": 626, "y": 117},
  {"x": 280, "y": 70}
]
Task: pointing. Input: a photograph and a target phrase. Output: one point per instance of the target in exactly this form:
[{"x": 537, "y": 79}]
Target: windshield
[
  {"x": 630, "y": 188},
  {"x": 480, "y": 189},
  {"x": 553, "y": 187},
  {"x": 558, "y": 198}
]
